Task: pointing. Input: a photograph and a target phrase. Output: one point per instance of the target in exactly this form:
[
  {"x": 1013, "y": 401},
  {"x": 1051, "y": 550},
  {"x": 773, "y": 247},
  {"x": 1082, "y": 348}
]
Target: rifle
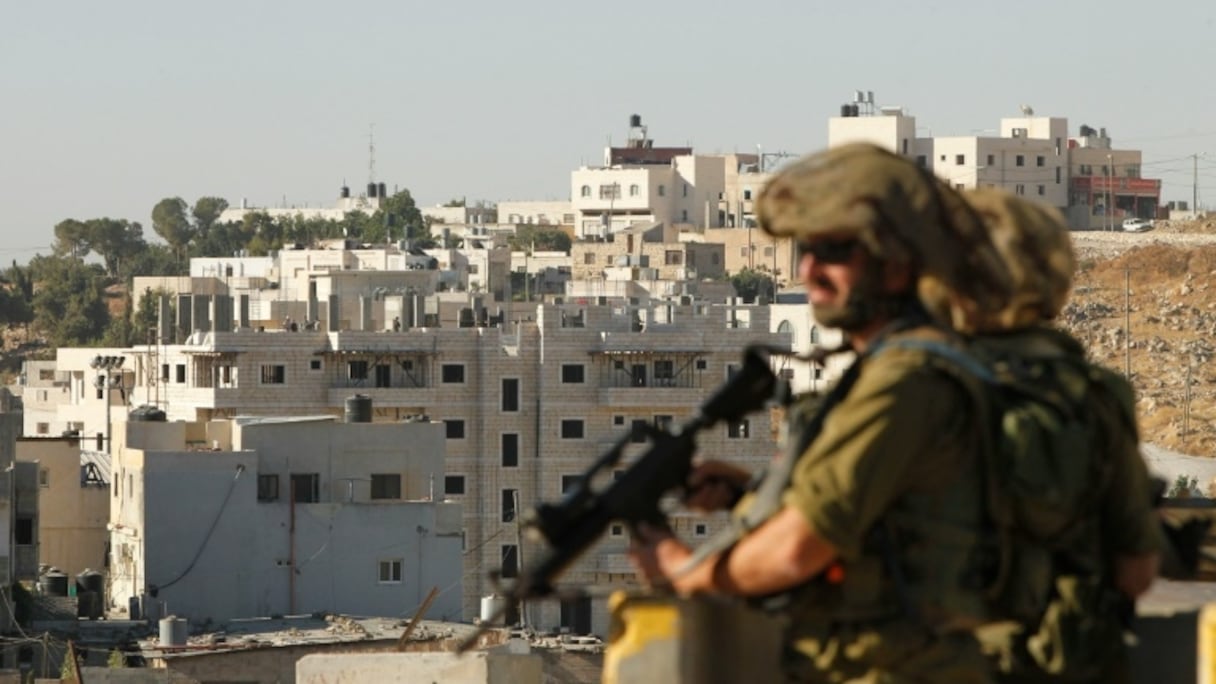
[{"x": 569, "y": 527}]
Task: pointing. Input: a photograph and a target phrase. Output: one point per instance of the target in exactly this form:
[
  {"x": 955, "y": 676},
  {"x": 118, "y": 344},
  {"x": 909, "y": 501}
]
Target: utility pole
[
  {"x": 1127, "y": 322},
  {"x": 1195, "y": 183}
]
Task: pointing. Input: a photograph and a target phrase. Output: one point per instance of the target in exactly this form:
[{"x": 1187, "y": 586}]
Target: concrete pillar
[
  {"x": 202, "y": 312},
  {"x": 365, "y": 313},
  {"x": 334, "y": 320},
  {"x": 185, "y": 317},
  {"x": 243, "y": 319},
  {"x": 164, "y": 321}
]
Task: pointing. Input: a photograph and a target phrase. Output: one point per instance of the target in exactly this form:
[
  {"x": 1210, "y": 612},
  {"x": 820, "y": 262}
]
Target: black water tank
[
  {"x": 846, "y": 110},
  {"x": 146, "y": 413},
  {"x": 53, "y": 583},
  {"x": 383, "y": 192},
  {"x": 371, "y": 189},
  {"x": 359, "y": 409},
  {"x": 91, "y": 580},
  {"x": 344, "y": 192},
  {"x": 635, "y": 120}
]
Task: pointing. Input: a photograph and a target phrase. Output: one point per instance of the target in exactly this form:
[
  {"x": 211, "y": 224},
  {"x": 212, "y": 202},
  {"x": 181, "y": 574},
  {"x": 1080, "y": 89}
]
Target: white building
[
  {"x": 367, "y": 203},
  {"x": 248, "y": 518}
]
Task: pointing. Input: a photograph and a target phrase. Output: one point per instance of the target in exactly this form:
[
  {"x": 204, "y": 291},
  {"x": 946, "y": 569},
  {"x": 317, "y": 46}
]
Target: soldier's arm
[{"x": 780, "y": 554}]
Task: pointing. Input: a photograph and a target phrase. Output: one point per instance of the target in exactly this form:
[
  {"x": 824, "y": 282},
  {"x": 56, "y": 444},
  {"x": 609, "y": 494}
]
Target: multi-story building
[
  {"x": 1105, "y": 184},
  {"x": 1030, "y": 156},
  {"x": 367, "y": 203},
  {"x": 536, "y": 212},
  {"x": 73, "y": 502},
  {"x": 257, "y": 517},
  {"x": 525, "y": 406}
]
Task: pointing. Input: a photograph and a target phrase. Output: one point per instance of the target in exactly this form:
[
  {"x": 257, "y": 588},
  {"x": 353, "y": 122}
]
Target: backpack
[{"x": 1050, "y": 422}]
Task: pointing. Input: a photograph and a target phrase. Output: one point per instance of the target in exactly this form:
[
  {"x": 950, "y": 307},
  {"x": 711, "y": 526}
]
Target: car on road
[{"x": 1137, "y": 225}]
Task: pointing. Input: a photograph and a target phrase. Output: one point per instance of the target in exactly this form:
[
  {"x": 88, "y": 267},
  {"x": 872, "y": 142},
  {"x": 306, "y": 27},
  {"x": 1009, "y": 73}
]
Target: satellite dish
[{"x": 1027, "y": 110}]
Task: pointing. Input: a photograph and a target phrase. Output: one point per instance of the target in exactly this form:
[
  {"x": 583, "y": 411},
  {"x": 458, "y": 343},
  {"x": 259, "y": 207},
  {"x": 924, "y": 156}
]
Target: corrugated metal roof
[{"x": 99, "y": 460}]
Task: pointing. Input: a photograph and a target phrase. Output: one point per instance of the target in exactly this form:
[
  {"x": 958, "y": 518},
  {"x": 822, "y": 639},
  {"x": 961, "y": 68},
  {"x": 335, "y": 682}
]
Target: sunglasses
[{"x": 828, "y": 251}]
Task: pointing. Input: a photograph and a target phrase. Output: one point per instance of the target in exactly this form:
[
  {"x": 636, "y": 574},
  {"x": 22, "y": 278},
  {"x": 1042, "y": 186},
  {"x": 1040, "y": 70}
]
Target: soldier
[{"x": 871, "y": 533}]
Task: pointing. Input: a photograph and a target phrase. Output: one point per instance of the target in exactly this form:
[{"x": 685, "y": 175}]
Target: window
[
  {"x": 683, "y": 214},
  {"x": 568, "y": 219},
  {"x": 451, "y": 373},
  {"x": 1019, "y": 189},
  {"x": 510, "y": 561},
  {"x": 665, "y": 373},
  {"x": 589, "y": 258},
  {"x": 314, "y": 364},
  {"x": 617, "y": 530},
  {"x": 611, "y": 191},
  {"x": 1040, "y": 160},
  {"x": 701, "y": 365},
  {"x": 739, "y": 429},
  {"x": 274, "y": 374},
  {"x": 700, "y": 530},
  {"x": 181, "y": 373},
  {"x": 743, "y": 252},
  {"x": 455, "y": 429},
  {"x": 306, "y": 487},
  {"x": 510, "y": 394},
  {"x": 572, "y": 373},
  {"x": 633, "y": 190},
  {"x": 46, "y": 374},
  {"x": 510, "y": 450},
  {"x": 386, "y": 486},
  {"x": 618, "y": 420},
  {"x": 662, "y": 191},
  {"x": 356, "y": 370},
  {"x": 585, "y": 191},
  {"x": 43, "y": 428},
  {"x": 1042, "y": 190},
  {"x": 1019, "y": 160},
  {"x": 44, "y": 477},
  {"x": 23, "y": 531},
  {"x": 508, "y": 505},
  {"x": 768, "y": 250},
  {"x": 960, "y": 159},
  {"x": 164, "y": 372},
  {"x": 637, "y": 430},
  {"x": 569, "y": 482},
  {"x": 732, "y": 369},
  {"x": 673, "y": 257},
  {"x": 1057, "y": 174},
  {"x": 921, "y": 161},
  {"x": 747, "y": 193},
  {"x": 268, "y": 487},
  {"x": 991, "y": 160},
  {"x": 453, "y": 485},
  {"x": 390, "y": 571},
  {"x": 663, "y": 421},
  {"x": 572, "y": 429}
]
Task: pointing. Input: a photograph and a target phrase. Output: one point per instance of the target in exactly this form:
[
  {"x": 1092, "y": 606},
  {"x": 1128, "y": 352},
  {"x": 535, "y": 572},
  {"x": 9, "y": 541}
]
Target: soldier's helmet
[
  {"x": 1037, "y": 249},
  {"x": 901, "y": 212}
]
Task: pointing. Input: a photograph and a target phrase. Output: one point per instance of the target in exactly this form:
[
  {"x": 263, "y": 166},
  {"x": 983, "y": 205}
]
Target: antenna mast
[{"x": 371, "y": 153}]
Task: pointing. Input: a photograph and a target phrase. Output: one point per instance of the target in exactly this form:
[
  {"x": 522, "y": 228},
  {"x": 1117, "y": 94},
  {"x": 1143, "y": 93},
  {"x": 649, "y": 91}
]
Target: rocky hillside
[{"x": 1149, "y": 299}]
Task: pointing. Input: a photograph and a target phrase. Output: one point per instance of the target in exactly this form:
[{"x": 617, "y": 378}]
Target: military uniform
[{"x": 891, "y": 479}]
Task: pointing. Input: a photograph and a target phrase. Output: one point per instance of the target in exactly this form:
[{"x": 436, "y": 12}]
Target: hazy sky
[{"x": 109, "y": 107}]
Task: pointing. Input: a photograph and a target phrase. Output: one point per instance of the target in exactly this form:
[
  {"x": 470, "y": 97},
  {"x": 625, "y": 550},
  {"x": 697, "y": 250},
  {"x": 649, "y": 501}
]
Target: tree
[
  {"x": 70, "y": 239},
  {"x": 206, "y": 212},
  {"x": 539, "y": 238},
  {"x": 750, "y": 283},
  {"x": 115, "y": 240},
  {"x": 170, "y": 223},
  {"x": 401, "y": 218},
  {"x": 68, "y": 306},
  {"x": 459, "y": 202}
]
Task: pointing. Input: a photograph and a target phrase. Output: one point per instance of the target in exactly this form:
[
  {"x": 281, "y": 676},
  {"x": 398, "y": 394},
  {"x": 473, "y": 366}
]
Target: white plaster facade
[{"x": 248, "y": 518}]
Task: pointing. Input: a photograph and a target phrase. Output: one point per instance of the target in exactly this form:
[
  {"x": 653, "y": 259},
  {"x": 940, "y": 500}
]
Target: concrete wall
[
  {"x": 72, "y": 517},
  {"x": 191, "y": 523}
]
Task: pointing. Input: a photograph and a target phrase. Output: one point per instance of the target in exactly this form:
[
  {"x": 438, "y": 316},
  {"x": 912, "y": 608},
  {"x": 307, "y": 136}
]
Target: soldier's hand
[
  {"x": 714, "y": 485},
  {"x": 655, "y": 552}
]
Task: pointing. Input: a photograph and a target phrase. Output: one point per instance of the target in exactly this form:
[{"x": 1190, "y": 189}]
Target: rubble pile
[{"x": 1149, "y": 300}]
